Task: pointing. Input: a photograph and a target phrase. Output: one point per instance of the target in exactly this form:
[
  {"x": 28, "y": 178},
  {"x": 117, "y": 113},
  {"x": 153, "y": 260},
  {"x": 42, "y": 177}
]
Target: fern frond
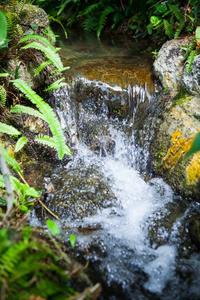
[
  {"x": 176, "y": 11},
  {"x": 46, "y": 140},
  {"x": 56, "y": 85},
  {"x": 50, "y": 34},
  {"x": 3, "y": 95},
  {"x": 171, "y": 21},
  {"x": 190, "y": 60},
  {"x": 50, "y": 54},
  {"x": 40, "y": 38},
  {"x": 42, "y": 66},
  {"x": 49, "y": 141},
  {"x": 58, "y": 21},
  {"x": 89, "y": 9},
  {"x": 17, "y": 109},
  {"x": 168, "y": 29},
  {"x": 4, "y": 128},
  {"x": 10, "y": 160},
  {"x": 20, "y": 143},
  {"x": 19, "y": 29},
  {"x": 103, "y": 19},
  {"x": 48, "y": 112},
  {"x": 179, "y": 29}
]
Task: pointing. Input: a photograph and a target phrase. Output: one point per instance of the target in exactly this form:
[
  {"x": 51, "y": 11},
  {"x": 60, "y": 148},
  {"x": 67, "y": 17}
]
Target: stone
[
  {"x": 33, "y": 14},
  {"x": 169, "y": 65},
  {"x": 173, "y": 139},
  {"x": 190, "y": 82}
]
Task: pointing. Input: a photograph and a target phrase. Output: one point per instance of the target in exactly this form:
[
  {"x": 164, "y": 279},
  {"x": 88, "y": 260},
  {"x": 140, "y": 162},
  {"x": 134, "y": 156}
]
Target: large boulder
[
  {"x": 181, "y": 122},
  {"x": 169, "y": 67}
]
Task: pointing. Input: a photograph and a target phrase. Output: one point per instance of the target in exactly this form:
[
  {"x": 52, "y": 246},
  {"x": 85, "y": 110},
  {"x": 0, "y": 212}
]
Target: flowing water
[{"x": 133, "y": 232}]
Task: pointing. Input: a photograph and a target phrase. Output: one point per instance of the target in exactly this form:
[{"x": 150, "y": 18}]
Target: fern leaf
[
  {"x": 4, "y": 128},
  {"x": 41, "y": 67},
  {"x": 38, "y": 38},
  {"x": 179, "y": 29},
  {"x": 46, "y": 140},
  {"x": 54, "y": 57},
  {"x": 3, "y": 95},
  {"x": 48, "y": 112},
  {"x": 19, "y": 29},
  {"x": 17, "y": 109},
  {"x": 176, "y": 11},
  {"x": 50, "y": 142},
  {"x": 168, "y": 29},
  {"x": 103, "y": 19},
  {"x": 20, "y": 143},
  {"x": 58, "y": 21},
  {"x": 190, "y": 60},
  {"x": 55, "y": 85},
  {"x": 10, "y": 160},
  {"x": 50, "y": 34},
  {"x": 89, "y": 9}
]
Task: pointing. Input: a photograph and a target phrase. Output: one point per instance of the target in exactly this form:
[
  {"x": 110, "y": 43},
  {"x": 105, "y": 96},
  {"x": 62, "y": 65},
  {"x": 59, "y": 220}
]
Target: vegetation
[
  {"x": 28, "y": 264},
  {"x": 162, "y": 19}
]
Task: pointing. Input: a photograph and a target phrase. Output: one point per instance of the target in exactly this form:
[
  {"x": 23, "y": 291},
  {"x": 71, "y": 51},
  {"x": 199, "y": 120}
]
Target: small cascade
[{"x": 129, "y": 230}]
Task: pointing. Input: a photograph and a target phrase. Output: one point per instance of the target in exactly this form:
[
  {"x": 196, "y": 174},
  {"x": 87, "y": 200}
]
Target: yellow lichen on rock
[
  {"x": 179, "y": 147},
  {"x": 193, "y": 170}
]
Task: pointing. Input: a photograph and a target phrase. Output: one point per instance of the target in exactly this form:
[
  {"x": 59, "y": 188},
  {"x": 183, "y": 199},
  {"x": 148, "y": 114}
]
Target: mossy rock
[
  {"x": 173, "y": 140},
  {"x": 33, "y": 14}
]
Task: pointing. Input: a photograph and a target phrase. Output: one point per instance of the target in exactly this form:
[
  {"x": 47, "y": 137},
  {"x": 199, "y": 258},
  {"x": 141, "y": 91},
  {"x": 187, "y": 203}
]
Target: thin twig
[{"x": 48, "y": 209}]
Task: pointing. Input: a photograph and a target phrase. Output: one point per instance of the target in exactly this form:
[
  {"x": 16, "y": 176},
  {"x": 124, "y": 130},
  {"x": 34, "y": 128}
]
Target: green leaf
[
  {"x": 4, "y": 74},
  {"x": 33, "y": 26},
  {"x": 42, "y": 66},
  {"x": 17, "y": 109},
  {"x": 195, "y": 146},
  {"x": 50, "y": 54},
  {"x": 49, "y": 114},
  {"x": 197, "y": 32},
  {"x": 3, "y": 26},
  {"x": 40, "y": 38},
  {"x": 161, "y": 8},
  {"x": 72, "y": 239},
  {"x": 20, "y": 143},
  {"x": 155, "y": 20},
  {"x": 55, "y": 85},
  {"x": 53, "y": 227},
  {"x": 4, "y": 128},
  {"x": 10, "y": 160}
]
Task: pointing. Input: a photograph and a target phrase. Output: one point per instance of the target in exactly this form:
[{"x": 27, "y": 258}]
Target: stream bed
[{"x": 130, "y": 227}]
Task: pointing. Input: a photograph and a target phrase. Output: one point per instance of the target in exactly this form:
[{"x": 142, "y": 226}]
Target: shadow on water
[{"x": 133, "y": 232}]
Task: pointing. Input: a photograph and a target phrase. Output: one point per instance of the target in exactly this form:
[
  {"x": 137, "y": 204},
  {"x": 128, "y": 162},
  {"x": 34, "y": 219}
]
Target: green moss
[{"x": 180, "y": 98}]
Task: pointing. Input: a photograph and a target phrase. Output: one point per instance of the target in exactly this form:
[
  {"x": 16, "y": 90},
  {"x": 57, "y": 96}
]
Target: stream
[{"x": 130, "y": 227}]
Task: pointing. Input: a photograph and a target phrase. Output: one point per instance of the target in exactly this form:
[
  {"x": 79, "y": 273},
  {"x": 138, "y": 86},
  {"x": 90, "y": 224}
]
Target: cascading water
[{"x": 131, "y": 231}]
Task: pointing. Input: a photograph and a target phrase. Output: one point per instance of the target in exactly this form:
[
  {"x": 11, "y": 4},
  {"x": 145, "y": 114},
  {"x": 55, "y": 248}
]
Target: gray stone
[
  {"x": 169, "y": 65},
  {"x": 190, "y": 82},
  {"x": 32, "y": 13}
]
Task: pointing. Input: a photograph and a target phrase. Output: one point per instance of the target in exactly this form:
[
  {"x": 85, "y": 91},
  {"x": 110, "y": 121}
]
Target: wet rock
[
  {"x": 169, "y": 65},
  {"x": 173, "y": 139},
  {"x": 190, "y": 82},
  {"x": 79, "y": 192},
  {"x": 33, "y": 14},
  {"x": 194, "y": 231}
]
